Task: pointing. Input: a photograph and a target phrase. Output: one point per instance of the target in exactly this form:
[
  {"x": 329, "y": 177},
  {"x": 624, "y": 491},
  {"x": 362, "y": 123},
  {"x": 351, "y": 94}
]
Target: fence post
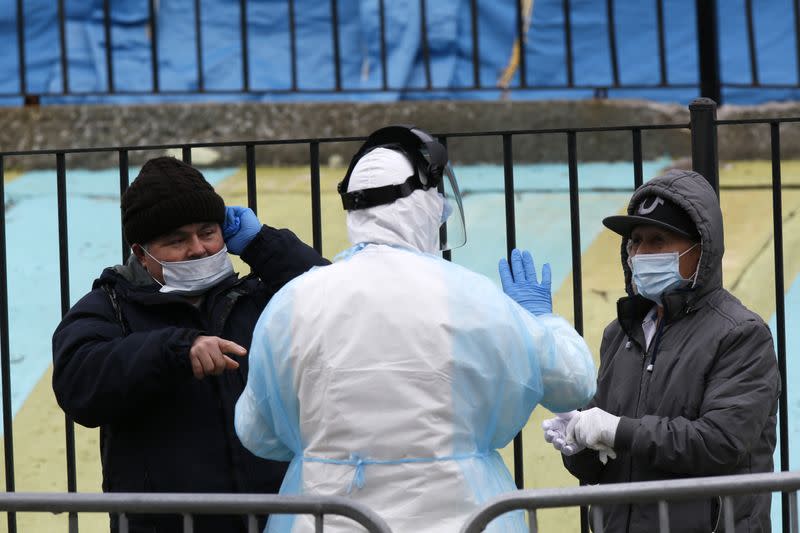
[
  {"x": 703, "y": 122},
  {"x": 708, "y": 49}
]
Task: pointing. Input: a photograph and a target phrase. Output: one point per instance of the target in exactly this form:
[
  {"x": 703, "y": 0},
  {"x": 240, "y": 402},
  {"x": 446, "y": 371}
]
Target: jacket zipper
[{"x": 643, "y": 372}]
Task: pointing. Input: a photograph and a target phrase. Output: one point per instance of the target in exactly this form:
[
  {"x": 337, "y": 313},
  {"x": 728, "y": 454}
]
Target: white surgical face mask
[
  {"x": 655, "y": 274},
  {"x": 194, "y": 277}
]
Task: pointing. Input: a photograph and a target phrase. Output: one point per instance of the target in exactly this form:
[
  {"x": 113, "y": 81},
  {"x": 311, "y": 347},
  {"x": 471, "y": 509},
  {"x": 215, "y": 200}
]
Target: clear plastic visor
[{"x": 452, "y": 233}]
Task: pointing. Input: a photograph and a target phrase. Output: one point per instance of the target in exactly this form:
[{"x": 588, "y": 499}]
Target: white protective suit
[{"x": 392, "y": 376}]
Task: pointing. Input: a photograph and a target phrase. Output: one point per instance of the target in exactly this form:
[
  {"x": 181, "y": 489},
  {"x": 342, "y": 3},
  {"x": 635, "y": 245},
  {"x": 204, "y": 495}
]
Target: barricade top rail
[
  {"x": 182, "y": 503},
  {"x": 635, "y": 492}
]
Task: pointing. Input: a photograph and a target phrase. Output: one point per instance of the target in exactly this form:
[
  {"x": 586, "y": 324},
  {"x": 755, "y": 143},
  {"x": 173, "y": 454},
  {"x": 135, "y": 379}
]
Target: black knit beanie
[{"x": 166, "y": 195}]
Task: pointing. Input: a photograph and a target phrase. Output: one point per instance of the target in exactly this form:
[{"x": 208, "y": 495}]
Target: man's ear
[{"x": 138, "y": 251}]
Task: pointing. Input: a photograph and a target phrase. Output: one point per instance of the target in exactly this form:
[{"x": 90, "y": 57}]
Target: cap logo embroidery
[{"x": 647, "y": 209}]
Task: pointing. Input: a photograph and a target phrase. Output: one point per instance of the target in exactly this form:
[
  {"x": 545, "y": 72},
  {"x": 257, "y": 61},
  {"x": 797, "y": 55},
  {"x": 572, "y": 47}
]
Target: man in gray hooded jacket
[{"x": 688, "y": 382}]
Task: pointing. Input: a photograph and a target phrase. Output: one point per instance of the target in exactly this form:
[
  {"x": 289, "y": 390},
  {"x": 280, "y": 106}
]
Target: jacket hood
[
  {"x": 412, "y": 221},
  {"x": 694, "y": 194}
]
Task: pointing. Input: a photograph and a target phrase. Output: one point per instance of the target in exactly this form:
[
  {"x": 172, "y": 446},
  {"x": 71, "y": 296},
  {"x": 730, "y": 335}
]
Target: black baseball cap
[{"x": 654, "y": 211}]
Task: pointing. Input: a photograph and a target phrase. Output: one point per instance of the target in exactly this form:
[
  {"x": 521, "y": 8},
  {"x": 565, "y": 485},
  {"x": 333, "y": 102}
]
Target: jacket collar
[{"x": 679, "y": 303}]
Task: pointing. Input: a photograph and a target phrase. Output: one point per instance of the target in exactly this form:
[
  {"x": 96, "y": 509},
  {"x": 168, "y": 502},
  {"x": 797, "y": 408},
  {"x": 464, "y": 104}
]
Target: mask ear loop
[{"x": 699, "y": 261}]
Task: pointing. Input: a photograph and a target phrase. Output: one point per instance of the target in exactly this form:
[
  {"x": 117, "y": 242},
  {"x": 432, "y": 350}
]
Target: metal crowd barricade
[
  {"x": 189, "y": 505},
  {"x": 661, "y": 492}
]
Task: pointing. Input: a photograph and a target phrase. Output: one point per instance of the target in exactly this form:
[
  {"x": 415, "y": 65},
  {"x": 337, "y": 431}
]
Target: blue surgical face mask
[
  {"x": 655, "y": 274},
  {"x": 194, "y": 277}
]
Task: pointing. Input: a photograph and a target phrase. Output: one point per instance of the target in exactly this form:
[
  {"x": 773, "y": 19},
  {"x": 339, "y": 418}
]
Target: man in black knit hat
[{"x": 155, "y": 354}]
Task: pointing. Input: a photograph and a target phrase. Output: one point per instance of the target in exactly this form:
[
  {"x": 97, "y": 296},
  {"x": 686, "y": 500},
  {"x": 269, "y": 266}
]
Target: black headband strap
[{"x": 379, "y": 195}]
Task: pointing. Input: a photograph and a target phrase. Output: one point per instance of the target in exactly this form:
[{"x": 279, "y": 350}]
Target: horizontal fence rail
[
  {"x": 194, "y": 504},
  {"x": 519, "y": 69},
  {"x": 661, "y": 492}
]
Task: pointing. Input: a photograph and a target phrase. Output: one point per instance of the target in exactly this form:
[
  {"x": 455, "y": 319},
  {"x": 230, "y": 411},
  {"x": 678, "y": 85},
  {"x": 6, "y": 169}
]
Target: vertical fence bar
[
  {"x": 793, "y": 525},
  {"x": 186, "y": 154},
  {"x": 23, "y": 83},
  {"x": 662, "y": 47},
  {"x": 612, "y": 42},
  {"x": 533, "y": 521},
  {"x": 797, "y": 35},
  {"x": 577, "y": 278},
  {"x": 384, "y": 71},
  {"x": 5, "y": 354},
  {"x": 638, "y": 171},
  {"x": 252, "y": 524},
  {"x": 575, "y": 213},
  {"x": 426, "y": 53},
  {"x": 198, "y": 44},
  {"x": 447, "y": 255},
  {"x": 780, "y": 308},
  {"x": 123, "y": 186},
  {"x": 154, "y": 44},
  {"x": 318, "y": 523},
  {"x": 250, "y": 158},
  {"x": 293, "y": 44},
  {"x": 663, "y": 517},
  {"x": 751, "y": 42},
  {"x": 245, "y": 45},
  {"x": 476, "y": 50},
  {"x": 511, "y": 243},
  {"x": 727, "y": 512},
  {"x": 568, "y": 43},
  {"x": 188, "y": 523},
  {"x": 703, "y": 118},
  {"x": 337, "y": 60},
  {"x": 597, "y": 519},
  {"x": 316, "y": 203},
  {"x": 708, "y": 49},
  {"x": 63, "y": 249},
  {"x": 109, "y": 47},
  {"x": 62, "y": 43},
  {"x": 523, "y": 79}
]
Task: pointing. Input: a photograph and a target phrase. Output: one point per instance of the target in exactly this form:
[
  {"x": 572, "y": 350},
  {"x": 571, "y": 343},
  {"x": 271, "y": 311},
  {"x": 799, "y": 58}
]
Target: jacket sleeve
[
  {"x": 277, "y": 256},
  {"x": 566, "y": 365},
  {"x": 100, "y": 375},
  {"x": 266, "y": 420},
  {"x": 742, "y": 388}
]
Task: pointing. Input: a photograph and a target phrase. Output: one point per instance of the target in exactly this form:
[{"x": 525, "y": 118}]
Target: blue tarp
[{"x": 449, "y": 38}]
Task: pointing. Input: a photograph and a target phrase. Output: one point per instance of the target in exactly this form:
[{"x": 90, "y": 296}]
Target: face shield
[
  {"x": 431, "y": 169},
  {"x": 452, "y": 232}
]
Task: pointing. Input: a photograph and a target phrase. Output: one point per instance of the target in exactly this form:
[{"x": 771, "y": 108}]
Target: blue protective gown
[{"x": 393, "y": 376}]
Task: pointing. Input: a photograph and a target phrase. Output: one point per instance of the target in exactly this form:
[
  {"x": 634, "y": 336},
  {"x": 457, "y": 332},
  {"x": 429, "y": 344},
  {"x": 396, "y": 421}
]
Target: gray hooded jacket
[{"x": 708, "y": 407}]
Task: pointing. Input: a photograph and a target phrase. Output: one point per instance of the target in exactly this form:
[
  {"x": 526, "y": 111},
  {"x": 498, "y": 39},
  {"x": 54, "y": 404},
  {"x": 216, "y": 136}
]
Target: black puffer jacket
[
  {"x": 709, "y": 405},
  {"x": 128, "y": 371}
]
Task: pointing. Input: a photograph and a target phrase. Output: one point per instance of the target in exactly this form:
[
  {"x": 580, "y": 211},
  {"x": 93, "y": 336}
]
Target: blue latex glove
[
  {"x": 239, "y": 228},
  {"x": 523, "y": 287}
]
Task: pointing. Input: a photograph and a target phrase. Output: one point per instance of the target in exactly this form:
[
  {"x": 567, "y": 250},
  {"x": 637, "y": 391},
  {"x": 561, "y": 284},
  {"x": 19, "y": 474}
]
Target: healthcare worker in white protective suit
[{"x": 393, "y": 376}]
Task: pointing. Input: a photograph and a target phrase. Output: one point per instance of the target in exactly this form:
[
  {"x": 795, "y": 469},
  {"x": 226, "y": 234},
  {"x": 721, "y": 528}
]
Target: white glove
[
  {"x": 595, "y": 429},
  {"x": 555, "y": 432}
]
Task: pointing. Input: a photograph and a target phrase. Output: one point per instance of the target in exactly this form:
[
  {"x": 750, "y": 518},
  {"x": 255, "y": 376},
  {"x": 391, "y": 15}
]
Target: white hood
[{"x": 412, "y": 221}]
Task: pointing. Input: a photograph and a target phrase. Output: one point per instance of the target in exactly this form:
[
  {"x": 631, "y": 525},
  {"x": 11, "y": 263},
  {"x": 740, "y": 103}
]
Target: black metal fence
[
  {"x": 707, "y": 82},
  {"x": 703, "y": 127}
]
